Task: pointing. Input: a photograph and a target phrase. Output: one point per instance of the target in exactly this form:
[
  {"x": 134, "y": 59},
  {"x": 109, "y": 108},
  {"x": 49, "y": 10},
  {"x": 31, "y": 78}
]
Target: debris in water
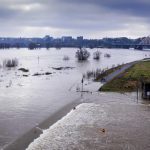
[
  {"x": 102, "y": 130},
  {"x": 38, "y": 74},
  {"x": 9, "y": 85},
  {"x": 23, "y": 70},
  {"x": 48, "y": 73},
  {"x": 24, "y": 75},
  {"x": 62, "y": 68},
  {"x": 19, "y": 84}
]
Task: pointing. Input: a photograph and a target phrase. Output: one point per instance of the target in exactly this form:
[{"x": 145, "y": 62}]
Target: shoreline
[
  {"x": 23, "y": 141},
  {"x": 129, "y": 79},
  {"x": 98, "y": 126}
]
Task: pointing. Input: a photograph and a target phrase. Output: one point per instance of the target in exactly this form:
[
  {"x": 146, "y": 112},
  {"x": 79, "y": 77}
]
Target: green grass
[{"x": 127, "y": 81}]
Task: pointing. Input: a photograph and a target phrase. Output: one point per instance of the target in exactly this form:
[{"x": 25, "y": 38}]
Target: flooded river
[{"x": 27, "y": 100}]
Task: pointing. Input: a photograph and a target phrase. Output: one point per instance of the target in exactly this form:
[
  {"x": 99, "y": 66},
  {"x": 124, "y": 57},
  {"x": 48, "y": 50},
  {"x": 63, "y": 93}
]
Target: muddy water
[
  {"x": 27, "y": 101},
  {"x": 101, "y": 126}
]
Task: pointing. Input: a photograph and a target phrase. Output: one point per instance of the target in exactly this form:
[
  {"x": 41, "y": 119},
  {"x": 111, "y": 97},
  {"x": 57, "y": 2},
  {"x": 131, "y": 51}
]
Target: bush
[
  {"x": 93, "y": 74},
  {"x": 107, "y": 55},
  {"x": 66, "y": 58},
  {"x": 96, "y": 55},
  {"x": 82, "y": 54},
  {"x": 10, "y": 63}
]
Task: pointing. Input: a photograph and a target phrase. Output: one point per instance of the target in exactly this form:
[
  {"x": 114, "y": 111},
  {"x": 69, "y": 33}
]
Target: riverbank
[
  {"x": 128, "y": 80},
  {"x": 99, "y": 126},
  {"x": 99, "y": 98},
  {"x": 22, "y": 142}
]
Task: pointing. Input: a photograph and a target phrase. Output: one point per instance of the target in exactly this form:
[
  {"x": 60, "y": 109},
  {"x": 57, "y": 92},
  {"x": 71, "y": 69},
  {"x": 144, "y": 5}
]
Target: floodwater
[{"x": 27, "y": 101}]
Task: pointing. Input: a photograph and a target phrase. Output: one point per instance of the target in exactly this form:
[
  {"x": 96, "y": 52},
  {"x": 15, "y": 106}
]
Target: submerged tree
[
  {"x": 10, "y": 63},
  {"x": 66, "y": 57},
  {"x": 107, "y": 55},
  {"x": 96, "y": 55},
  {"x": 82, "y": 54}
]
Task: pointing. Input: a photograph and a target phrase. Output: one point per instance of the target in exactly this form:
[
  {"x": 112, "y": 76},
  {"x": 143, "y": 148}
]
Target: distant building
[
  {"x": 80, "y": 38},
  {"x": 67, "y": 39},
  {"x": 47, "y": 38},
  {"x": 80, "y": 41}
]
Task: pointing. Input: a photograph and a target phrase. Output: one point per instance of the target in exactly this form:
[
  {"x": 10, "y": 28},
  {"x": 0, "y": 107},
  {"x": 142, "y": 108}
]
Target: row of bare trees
[{"x": 82, "y": 54}]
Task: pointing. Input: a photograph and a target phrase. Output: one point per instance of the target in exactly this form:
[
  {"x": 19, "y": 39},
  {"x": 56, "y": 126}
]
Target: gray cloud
[
  {"x": 94, "y": 18},
  {"x": 135, "y": 7}
]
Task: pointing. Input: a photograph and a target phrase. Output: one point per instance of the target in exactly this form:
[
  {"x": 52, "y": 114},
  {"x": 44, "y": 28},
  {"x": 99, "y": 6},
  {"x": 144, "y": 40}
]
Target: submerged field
[
  {"x": 23, "y": 95},
  {"x": 130, "y": 79}
]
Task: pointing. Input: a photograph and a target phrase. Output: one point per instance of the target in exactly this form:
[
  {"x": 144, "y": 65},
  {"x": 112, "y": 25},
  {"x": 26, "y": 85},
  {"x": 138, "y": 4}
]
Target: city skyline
[{"x": 90, "y": 18}]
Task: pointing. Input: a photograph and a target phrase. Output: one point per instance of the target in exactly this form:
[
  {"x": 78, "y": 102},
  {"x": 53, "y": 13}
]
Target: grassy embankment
[
  {"x": 127, "y": 81},
  {"x": 107, "y": 72}
]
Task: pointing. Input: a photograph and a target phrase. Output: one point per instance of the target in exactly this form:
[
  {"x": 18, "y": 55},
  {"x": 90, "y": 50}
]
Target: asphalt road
[{"x": 119, "y": 71}]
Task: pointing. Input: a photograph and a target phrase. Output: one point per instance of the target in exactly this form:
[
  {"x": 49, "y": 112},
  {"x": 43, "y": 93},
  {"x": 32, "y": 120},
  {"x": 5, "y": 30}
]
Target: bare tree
[
  {"x": 82, "y": 54},
  {"x": 96, "y": 55},
  {"x": 66, "y": 57},
  {"x": 10, "y": 63}
]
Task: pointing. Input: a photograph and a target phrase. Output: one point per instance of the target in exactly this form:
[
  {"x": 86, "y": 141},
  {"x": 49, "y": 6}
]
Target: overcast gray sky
[{"x": 90, "y": 18}]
